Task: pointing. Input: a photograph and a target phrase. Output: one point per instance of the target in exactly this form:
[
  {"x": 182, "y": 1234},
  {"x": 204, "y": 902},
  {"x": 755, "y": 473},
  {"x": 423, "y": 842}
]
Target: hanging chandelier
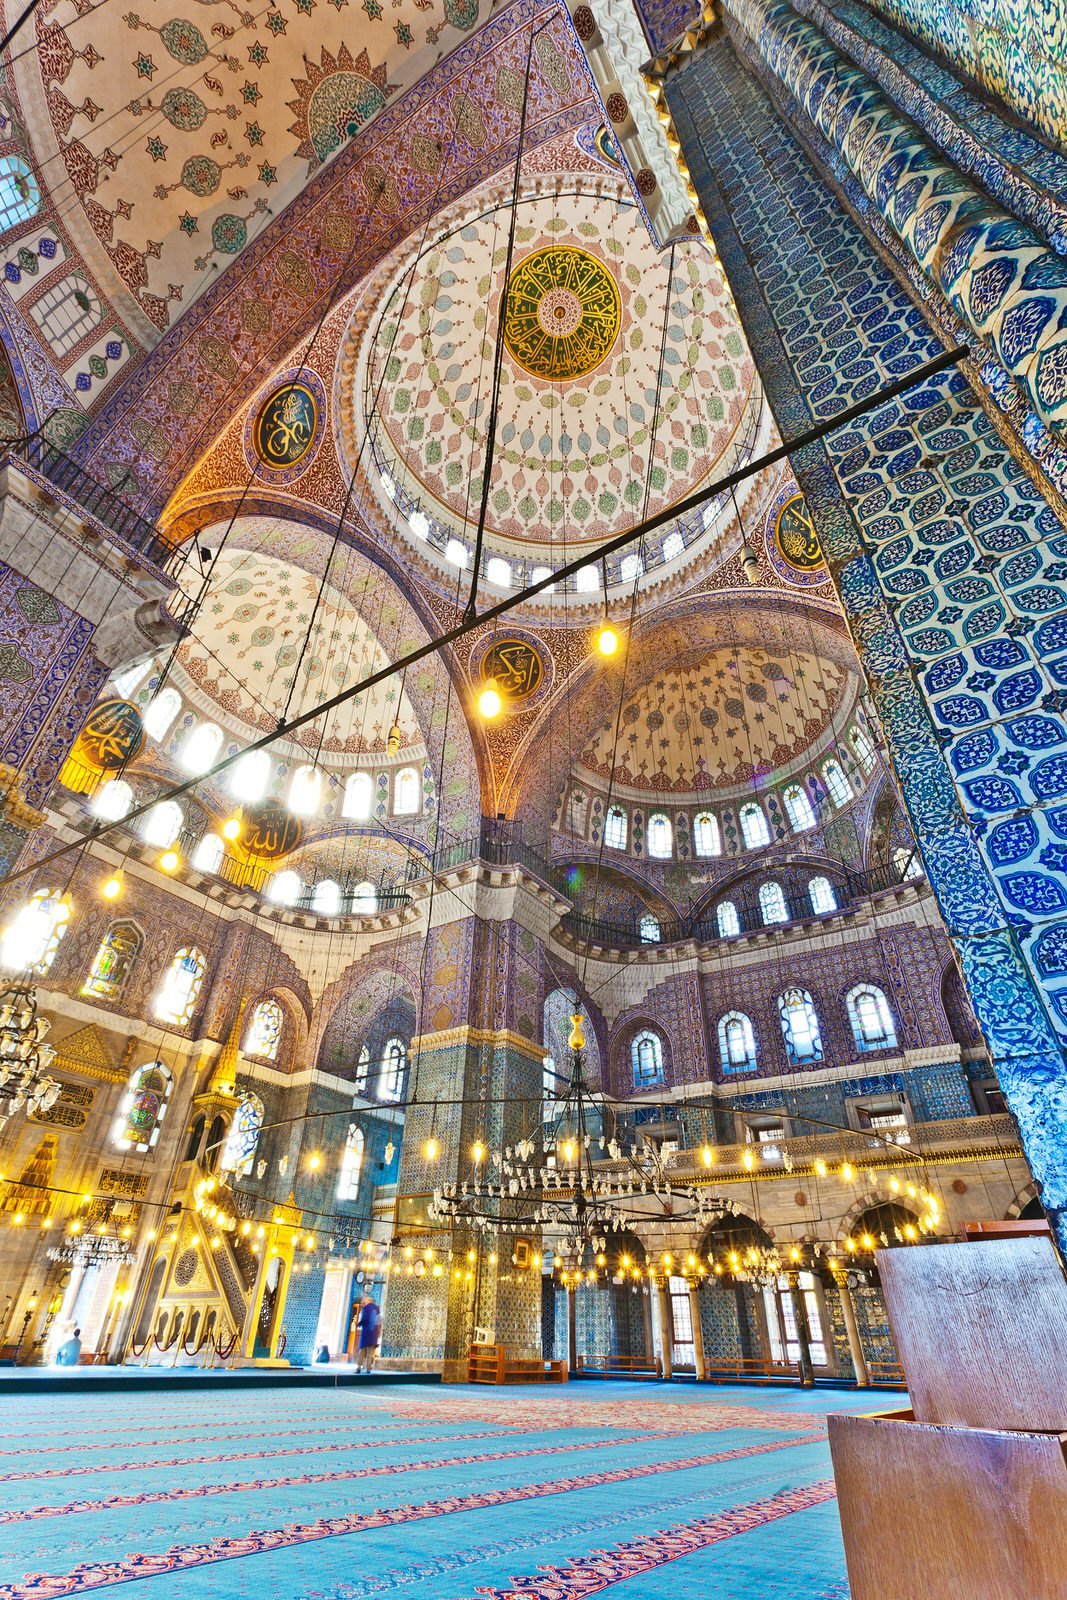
[
  {"x": 552, "y": 1183},
  {"x": 24, "y": 1057}
]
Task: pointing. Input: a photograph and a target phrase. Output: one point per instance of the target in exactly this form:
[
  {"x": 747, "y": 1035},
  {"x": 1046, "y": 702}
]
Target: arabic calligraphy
[
  {"x": 795, "y": 535},
  {"x": 516, "y": 667},
  {"x": 562, "y": 313},
  {"x": 270, "y": 832},
  {"x": 285, "y": 426},
  {"x": 112, "y": 736}
]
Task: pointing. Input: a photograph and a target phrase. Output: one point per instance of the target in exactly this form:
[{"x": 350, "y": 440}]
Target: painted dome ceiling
[
  {"x": 246, "y": 663},
  {"x": 722, "y": 720},
  {"x": 598, "y": 322}
]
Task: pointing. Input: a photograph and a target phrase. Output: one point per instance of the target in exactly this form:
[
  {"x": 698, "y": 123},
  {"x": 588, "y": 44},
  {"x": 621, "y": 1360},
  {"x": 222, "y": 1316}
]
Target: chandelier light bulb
[
  {"x": 112, "y": 888},
  {"x": 170, "y": 861},
  {"x": 477, "y": 1150},
  {"x": 489, "y": 701},
  {"x": 392, "y": 743},
  {"x": 607, "y": 641},
  {"x": 315, "y": 1161},
  {"x": 432, "y": 1149},
  {"x": 231, "y": 828},
  {"x": 708, "y": 1154}
]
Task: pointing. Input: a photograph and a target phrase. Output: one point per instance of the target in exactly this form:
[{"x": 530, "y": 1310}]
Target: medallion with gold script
[
  {"x": 516, "y": 666},
  {"x": 795, "y": 535},
  {"x": 113, "y": 735},
  {"x": 562, "y": 313},
  {"x": 285, "y": 426},
  {"x": 270, "y": 832}
]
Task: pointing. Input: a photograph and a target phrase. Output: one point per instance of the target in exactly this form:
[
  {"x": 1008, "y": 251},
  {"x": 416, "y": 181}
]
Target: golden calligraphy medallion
[
  {"x": 516, "y": 667},
  {"x": 795, "y": 535},
  {"x": 285, "y": 426},
  {"x": 562, "y": 313}
]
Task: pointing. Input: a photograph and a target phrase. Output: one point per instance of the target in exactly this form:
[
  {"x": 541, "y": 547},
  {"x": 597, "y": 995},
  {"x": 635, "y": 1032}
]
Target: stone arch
[
  {"x": 1028, "y": 1197},
  {"x": 351, "y": 1007}
]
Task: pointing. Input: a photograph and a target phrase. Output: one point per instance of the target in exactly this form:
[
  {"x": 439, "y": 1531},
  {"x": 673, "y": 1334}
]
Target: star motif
[
  {"x": 1054, "y": 856},
  {"x": 253, "y": 133},
  {"x": 124, "y": 209},
  {"x": 257, "y": 53},
  {"x": 305, "y": 6},
  {"x": 1013, "y": 762},
  {"x": 156, "y": 149},
  {"x": 188, "y": 223},
  {"x": 145, "y": 66},
  {"x": 276, "y": 22},
  {"x": 268, "y": 174},
  {"x": 251, "y": 93}
]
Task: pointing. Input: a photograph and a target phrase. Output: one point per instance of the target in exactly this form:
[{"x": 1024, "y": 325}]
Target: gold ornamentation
[
  {"x": 515, "y": 667},
  {"x": 795, "y": 536},
  {"x": 112, "y": 736},
  {"x": 562, "y": 313},
  {"x": 286, "y": 426}
]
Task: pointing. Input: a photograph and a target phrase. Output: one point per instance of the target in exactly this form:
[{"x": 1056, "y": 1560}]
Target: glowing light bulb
[
  {"x": 577, "y": 1036},
  {"x": 847, "y": 1171},
  {"x": 568, "y": 1151},
  {"x": 477, "y": 1150},
  {"x": 489, "y": 701},
  {"x": 820, "y": 1167},
  {"x": 392, "y": 743},
  {"x": 708, "y": 1154},
  {"x": 231, "y": 828},
  {"x": 170, "y": 861},
  {"x": 747, "y": 1159},
  {"x": 315, "y": 1161},
  {"x": 607, "y": 640},
  {"x": 432, "y": 1149},
  {"x": 112, "y": 888}
]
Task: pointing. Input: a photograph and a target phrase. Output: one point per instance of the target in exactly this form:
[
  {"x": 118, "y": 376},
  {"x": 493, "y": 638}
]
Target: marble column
[
  {"x": 698, "y": 1333},
  {"x": 800, "y": 1316},
  {"x": 852, "y": 1332},
  {"x": 666, "y": 1340}
]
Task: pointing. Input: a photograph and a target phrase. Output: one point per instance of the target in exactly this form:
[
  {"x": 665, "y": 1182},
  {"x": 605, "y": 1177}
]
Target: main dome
[{"x": 598, "y": 325}]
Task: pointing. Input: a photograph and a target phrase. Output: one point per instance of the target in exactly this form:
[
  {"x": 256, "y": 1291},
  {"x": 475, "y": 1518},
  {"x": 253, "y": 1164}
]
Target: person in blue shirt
[{"x": 370, "y": 1333}]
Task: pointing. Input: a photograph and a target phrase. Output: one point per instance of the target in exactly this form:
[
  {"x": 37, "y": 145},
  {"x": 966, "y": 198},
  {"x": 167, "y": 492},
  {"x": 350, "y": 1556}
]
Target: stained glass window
[
  {"x": 800, "y": 1026},
  {"x": 737, "y": 1043},
  {"x": 326, "y": 898},
  {"x": 706, "y": 841},
  {"x": 772, "y": 903},
  {"x": 838, "y": 786},
  {"x": 872, "y": 1021},
  {"x": 365, "y": 899},
  {"x": 351, "y": 1164},
  {"x": 659, "y": 836},
  {"x": 821, "y": 891},
  {"x": 863, "y": 745},
  {"x": 362, "y": 1073},
  {"x": 394, "y": 1062},
  {"x": 615, "y": 828},
  {"x": 648, "y": 929},
  {"x": 754, "y": 828},
  {"x": 239, "y": 1151},
  {"x": 406, "y": 793},
  {"x": 161, "y": 712},
  {"x": 285, "y": 887},
  {"x": 646, "y": 1058},
  {"x": 798, "y": 808},
  {"x": 30, "y": 942},
  {"x": 178, "y": 993},
  {"x": 113, "y": 962},
  {"x": 359, "y": 796},
  {"x": 143, "y": 1107},
  {"x": 265, "y": 1031},
  {"x": 726, "y": 919}
]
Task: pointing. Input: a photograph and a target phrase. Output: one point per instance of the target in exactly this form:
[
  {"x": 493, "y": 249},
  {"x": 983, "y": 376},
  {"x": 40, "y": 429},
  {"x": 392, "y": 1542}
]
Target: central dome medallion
[{"x": 562, "y": 313}]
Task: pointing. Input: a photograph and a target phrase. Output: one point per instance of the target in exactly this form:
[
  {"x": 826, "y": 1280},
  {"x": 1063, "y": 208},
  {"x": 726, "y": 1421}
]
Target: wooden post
[
  {"x": 800, "y": 1315},
  {"x": 698, "y": 1333},
  {"x": 852, "y": 1332}
]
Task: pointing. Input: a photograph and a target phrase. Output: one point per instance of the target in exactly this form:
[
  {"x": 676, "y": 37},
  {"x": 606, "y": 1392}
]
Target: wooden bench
[
  {"x": 489, "y": 1363},
  {"x": 886, "y": 1374},
  {"x": 618, "y": 1367},
  {"x": 749, "y": 1369}
]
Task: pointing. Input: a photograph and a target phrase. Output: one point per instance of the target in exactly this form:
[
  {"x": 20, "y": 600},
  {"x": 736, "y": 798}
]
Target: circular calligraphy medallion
[
  {"x": 285, "y": 426},
  {"x": 795, "y": 536},
  {"x": 270, "y": 832},
  {"x": 562, "y": 313},
  {"x": 113, "y": 735},
  {"x": 516, "y": 666}
]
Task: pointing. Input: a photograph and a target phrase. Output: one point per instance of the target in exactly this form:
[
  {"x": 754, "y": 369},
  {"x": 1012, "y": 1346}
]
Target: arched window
[
  {"x": 394, "y": 1065},
  {"x": 837, "y": 785},
  {"x": 124, "y": 683},
  {"x": 862, "y": 746},
  {"x": 365, "y": 900},
  {"x": 498, "y": 572},
  {"x": 673, "y": 545},
  {"x": 772, "y": 903},
  {"x": 201, "y": 747},
  {"x": 359, "y": 797},
  {"x": 754, "y": 830},
  {"x": 726, "y": 919},
  {"x": 113, "y": 962},
  {"x": 326, "y": 898},
  {"x": 20, "y": 193},
  {"x": 737, "y": 1043},
  {"x": 143, "y": 1107},
  {"x": 630, "y": 567},
  {"x": 250, "y": 776},
  {"x": 822, "y": 895},
  {"x": 646, "y": 1058},
  {"x": 265, "y": 1031},
  {"x": 578, "y": 810},
  {"x": 907, "y": 862},
  {"x": 180, "y": 988},
  {"x": 798, "y": 808},
  {"x": 587, "y": 579},
  {"x": 160, "y": 713},
  {"x": 406, "y": 792},
  {"x": 351, "y": 1164},
  {"x": 162, "y": 825},
  {"x": 456, "y": 553},
  {"x": 615, "y": 828},
  {"x": 113, "y": 800},
  {"x": 706, "y": 840},
  {"x": 648, "y": 929},
  {"x": 285, "y": 887},
  {"x": 538, "y": 574},
  {"x": 207, "y": 857},
  {"x": 30, "y": 942},
  {"x": 239, "y": 1151},
  {"x": 196, "y": 1133},
  {"x": 800, "y": 1026},
  {"x": 872, "y": 1021},
  {"x": 67, "y": 312},
  {"x": 362, "y": 1072},
  {"x": 304, "y": 791},
  {"x": 659, "y": 836}
]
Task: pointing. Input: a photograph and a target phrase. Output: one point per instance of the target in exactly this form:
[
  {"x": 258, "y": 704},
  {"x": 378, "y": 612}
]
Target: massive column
[{"x": 947, "y": 557}]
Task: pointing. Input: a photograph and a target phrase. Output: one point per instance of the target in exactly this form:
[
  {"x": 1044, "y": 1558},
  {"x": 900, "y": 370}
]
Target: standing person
[{"x": 370, "y": 1333}]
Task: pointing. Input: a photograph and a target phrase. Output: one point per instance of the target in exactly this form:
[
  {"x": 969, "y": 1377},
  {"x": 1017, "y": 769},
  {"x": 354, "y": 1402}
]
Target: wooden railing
[
  {"x": 618, "y": 1367},
  {"x": 489, "y": 1363}
]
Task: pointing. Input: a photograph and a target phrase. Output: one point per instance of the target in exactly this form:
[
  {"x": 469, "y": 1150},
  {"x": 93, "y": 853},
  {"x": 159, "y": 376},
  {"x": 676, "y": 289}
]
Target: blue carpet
[{"x": 642, "y": 1491}]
